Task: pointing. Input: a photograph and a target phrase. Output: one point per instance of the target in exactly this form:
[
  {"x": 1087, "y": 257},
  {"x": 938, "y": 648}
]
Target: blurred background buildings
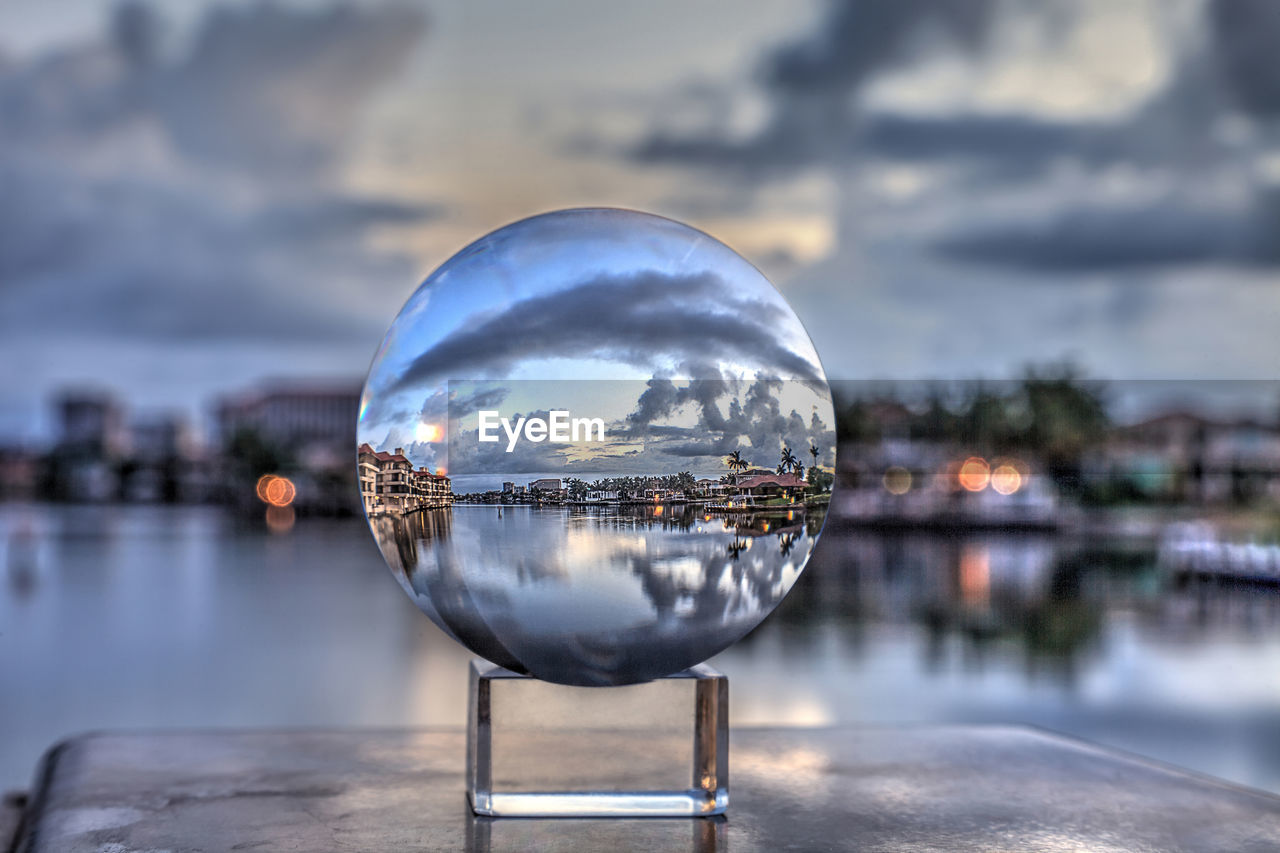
[{"x": 1036, "y": 243}]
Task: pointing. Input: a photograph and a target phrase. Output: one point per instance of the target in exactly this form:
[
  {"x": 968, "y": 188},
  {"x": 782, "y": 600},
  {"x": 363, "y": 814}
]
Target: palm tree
[
  {"x": 789, "y": 461},
  {"x": 813, "y": 451},
  {"x": 736, "y": 463}
]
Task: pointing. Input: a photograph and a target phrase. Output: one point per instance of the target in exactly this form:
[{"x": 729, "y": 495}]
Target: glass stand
[{"x": 536, "y": 749}]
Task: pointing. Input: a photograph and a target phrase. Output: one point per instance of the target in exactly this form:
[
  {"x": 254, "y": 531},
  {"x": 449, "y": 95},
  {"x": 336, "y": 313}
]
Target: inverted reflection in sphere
[{"x": 596, "y": 446}]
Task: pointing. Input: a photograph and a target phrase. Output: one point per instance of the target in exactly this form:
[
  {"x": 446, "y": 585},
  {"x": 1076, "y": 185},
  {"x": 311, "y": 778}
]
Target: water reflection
[
  {"x": 182, "y": 617},
  {"x": 1046, "y": 600},
  {"x": 22, "y": 562},
  {"x": 597, "y": 595}
]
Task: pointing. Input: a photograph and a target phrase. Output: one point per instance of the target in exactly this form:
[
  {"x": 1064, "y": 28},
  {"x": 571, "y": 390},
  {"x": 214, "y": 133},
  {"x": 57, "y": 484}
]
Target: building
[
  {"x": 430, "y": 489},
  {"x": 91, "y": 425},
  {"x": 766, "y": 486},
  {"x": 508, "y": 487},
  {"x": 294, "y": 416},
  {"x": 93, "y": 442},
  {"x": 389, "y": 483},
  {"x": 165, "y": 463},
  {"x": 1186, "y": 457},
  {"x": 713, "y": 488},
  {"x": 19, "y": 473},
  {"x": 600, "y": 495},
  {"x": 547, "y": 484}
]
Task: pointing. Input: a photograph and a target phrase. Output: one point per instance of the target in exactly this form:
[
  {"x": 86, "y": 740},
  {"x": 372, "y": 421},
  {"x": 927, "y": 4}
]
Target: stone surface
[{"x": 907, "y": 789}]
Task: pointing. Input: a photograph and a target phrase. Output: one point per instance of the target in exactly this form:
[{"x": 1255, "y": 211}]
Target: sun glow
[{"x": 430, "y": 433}]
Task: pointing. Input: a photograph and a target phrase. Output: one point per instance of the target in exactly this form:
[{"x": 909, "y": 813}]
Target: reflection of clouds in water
[{"x": 591, "y": 597}]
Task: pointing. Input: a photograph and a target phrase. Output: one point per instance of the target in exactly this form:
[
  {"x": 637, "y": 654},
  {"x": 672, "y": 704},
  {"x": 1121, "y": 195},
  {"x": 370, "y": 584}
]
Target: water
[
  {"x": 597, "y": 596},
  {"x": 144, "y": 617}
]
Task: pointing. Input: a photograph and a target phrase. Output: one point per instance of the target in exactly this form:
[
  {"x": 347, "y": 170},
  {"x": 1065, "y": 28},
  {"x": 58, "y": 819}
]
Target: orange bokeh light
[
  {"x": 1006, "y": 479},
  {"x": 275, "y": 490},
  {"x": 261, "y": 488},
  {"x": 974, "y": 474}
]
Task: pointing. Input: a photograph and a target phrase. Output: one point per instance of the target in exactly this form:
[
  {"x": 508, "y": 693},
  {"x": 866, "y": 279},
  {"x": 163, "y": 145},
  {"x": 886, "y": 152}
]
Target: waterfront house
[
  {"x": 389, "y": 483},
  {"x": 765, "y": 486}
]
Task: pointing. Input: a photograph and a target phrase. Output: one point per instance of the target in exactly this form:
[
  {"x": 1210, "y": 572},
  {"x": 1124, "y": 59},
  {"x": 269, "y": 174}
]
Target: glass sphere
[{"x": 596, "y": 446}]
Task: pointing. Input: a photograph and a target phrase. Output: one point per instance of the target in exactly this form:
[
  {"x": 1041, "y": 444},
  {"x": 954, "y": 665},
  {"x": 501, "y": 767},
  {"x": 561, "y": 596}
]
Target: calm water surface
[
  {"x": 143, "y": 617},
  {"x": 597, "y": 596}
]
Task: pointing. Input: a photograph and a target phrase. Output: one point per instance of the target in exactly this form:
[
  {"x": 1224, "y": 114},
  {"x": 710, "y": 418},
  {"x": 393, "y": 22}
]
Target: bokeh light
[
  {"x": 975, "y": 474},
  {"x": 276, "y": 490},
  {"x": 897, "y": 480},
  {"x": 1006, "y": 479}
]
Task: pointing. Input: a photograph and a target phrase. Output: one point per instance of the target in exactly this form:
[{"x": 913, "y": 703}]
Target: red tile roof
[{"x": 382, "y": 455}]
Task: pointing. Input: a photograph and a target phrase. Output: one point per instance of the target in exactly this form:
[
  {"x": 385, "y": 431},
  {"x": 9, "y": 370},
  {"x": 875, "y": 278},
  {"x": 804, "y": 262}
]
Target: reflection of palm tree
[
  {"x": 786, "y": 541},
  {"x": 736, "y": 547}
]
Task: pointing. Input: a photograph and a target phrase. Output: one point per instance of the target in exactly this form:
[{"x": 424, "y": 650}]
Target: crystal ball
[{"x": 596, "y": 446}]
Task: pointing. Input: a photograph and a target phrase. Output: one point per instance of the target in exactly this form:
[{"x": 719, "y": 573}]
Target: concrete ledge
[{"x": 910, "y": 789}]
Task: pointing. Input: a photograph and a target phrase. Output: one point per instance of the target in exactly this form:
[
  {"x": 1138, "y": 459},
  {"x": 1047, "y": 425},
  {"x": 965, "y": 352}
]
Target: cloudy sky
[
  {"x": 678, "y": 344},
  {"x": 227, "y": 191}
]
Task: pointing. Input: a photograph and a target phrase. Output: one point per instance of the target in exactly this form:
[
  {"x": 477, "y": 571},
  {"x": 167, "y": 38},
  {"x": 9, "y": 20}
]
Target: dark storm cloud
[
  {"x": 321, "y": 65},
  {"x": 752, "y": 412},
  {"x": 265, "y": 88},
  {"x": 1010, "y": 142},
  {"x": 858, "y": 39},
  {"x": 663, "y": 398},
  {"x": 1117, "y": 238},
  {"x": 443, "y": 403},
  {"x": 336, "y": 216},
  {"x": 816, "y": 119},
  {"x": 627, "y": 318},
  {"x": 814, "y": 82},
  {"x": 148, "y": 196},
  {"x": 1245, "y": 36},
  {"x": 1008, "y": 139},
  {"x": 135, "y": 258},
  {"x": 485, "y": 398}
]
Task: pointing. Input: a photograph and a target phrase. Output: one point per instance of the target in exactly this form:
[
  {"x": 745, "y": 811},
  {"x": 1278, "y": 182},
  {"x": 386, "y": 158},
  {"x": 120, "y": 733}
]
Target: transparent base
[{"x": 536, "y": 749}]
